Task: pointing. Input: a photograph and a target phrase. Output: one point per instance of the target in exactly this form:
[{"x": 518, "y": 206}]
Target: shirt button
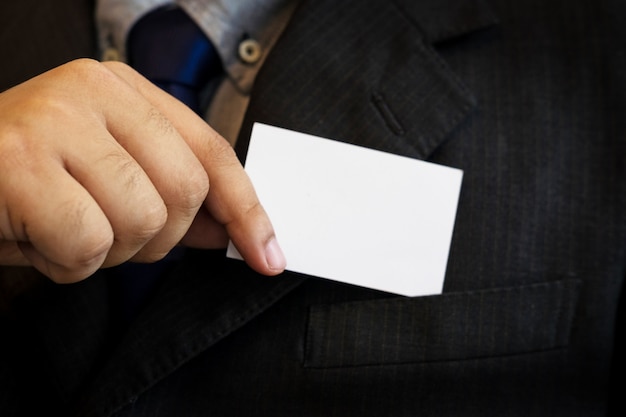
[{"x": 249, "y": 51}]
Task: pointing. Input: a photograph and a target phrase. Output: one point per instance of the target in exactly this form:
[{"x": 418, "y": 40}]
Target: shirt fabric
[{"x": 229, "y": 25}]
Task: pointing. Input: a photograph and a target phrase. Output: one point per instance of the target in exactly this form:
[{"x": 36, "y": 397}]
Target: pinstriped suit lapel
[
  {"x": 366, "y": 73},
  {"x": 204, "y": 300}
]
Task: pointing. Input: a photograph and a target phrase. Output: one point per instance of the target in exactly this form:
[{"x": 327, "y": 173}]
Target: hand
[{"x": 99, "y": 166}]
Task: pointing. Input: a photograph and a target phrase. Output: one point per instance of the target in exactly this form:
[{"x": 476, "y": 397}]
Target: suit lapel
[
  {"x": 366, "y": 73},
  {"x": 388, "y": 90},
  {"x": 204, "y": 300},
  {"x": 443, "y": 20}
]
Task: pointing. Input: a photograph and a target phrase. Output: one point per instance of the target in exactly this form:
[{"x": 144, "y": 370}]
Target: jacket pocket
[{"x": 447, "y": 327}]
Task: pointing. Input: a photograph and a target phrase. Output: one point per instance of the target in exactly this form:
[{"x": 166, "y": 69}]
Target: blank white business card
[{"x": 353, "y": 214}]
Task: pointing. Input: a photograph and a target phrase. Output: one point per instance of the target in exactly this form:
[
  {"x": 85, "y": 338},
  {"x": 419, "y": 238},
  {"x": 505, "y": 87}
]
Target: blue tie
[{"x": 170, "y": 50}]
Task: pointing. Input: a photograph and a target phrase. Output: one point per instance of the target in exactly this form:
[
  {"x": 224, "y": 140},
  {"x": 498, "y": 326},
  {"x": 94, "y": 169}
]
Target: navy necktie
[{"x": 170, "y": 50}]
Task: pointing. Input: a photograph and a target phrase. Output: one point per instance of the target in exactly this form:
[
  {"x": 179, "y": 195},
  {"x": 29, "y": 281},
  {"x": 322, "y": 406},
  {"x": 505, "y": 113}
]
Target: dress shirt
[{"x": 243, "y": 32}]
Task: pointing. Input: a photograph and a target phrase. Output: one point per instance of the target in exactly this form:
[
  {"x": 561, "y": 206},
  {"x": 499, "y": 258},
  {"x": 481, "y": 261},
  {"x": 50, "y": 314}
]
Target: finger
[
  {"x": 57, "y": 225},
  {"x": 231, "y": 199},
  {"x": 243, "y": 216},
  {"x": 166, "y": 159},
  {"x": 122, "y": 189}
]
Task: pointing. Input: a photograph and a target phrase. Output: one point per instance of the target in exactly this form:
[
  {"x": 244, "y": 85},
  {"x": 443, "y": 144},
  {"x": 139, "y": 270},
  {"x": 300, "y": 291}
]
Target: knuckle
[
  {"x": 82, "y": 63},
  {"x": 78, "y": 247},
  {"x": 248, "y": 211},
  {"x": 213, "y": 148},
  {"x": 89, "y": 78},
  {"x": 21, "y": 141},
  {"x": 121, "y": 69},
  {"x": 93, "y": 242},
  {"x": 145, "y": 223},
  {"x": 82, "y": 66},
  {"x": 193, "y": 191},
  {"x": 127, "y": 170},
  {"x": 91, "y": 249},
  {"x": 253, "y": 210},
  {"x": 116, "y": 66},
  {"x": 94, "y": 249},
  {"x": 221, "y": 152},
  {"x": 161, "y": 123},
  {"x": 17, "y": 151},
  {"x": 136, "y": 226},
  {"x": 88, "y": 70},
  {"x": 54, "y": 103},
  {"x": 148, "y": 223}
]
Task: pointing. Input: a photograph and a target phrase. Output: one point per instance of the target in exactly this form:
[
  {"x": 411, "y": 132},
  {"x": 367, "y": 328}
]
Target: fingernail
[{"x": 274, "y": 256}]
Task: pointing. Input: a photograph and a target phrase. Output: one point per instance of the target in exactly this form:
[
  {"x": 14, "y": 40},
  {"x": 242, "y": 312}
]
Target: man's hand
[{"x": 99, "y": 166}]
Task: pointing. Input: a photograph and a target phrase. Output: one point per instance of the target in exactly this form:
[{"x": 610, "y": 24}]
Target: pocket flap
[{"x": 452, "y": 326}]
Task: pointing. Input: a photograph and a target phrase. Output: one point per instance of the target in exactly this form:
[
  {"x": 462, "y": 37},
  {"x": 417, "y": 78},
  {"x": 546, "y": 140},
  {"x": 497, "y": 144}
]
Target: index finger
[{"x": 231, "y": 200}]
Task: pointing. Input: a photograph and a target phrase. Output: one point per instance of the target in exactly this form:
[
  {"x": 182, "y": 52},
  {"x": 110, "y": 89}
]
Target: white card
[{"x": 354, "y": 214}]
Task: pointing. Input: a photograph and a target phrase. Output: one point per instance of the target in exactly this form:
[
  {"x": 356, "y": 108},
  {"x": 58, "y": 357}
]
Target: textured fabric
[
  {"x": 527, "y": 97},
  {"x": 35, "y": 39},
  {"x": 339, "y": 335},
  {"x": 169, "y": 49}
]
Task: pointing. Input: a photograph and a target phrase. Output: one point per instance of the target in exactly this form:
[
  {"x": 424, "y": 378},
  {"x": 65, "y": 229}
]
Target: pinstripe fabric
[
  {"x": 531, "y": 108},
  {"x": 437, "y": 329},
  {"x": 34, "y": 41},
  {"x": 364, "y": 100}
]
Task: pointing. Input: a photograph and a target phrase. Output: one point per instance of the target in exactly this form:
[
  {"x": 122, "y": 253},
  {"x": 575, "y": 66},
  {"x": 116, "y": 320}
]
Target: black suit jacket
[{"x": 528, "y": 98}]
